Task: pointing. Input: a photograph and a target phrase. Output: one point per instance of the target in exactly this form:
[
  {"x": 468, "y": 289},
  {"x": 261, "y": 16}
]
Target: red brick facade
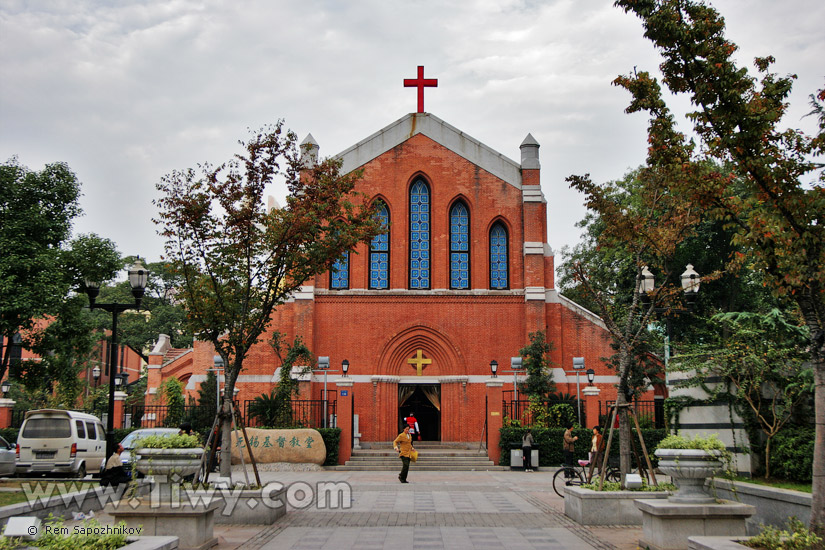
[{"x": 459, "y": 331}]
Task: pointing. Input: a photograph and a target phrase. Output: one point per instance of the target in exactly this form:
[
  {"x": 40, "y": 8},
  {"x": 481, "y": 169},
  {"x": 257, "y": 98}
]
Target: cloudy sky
[{"x": 126, "y": 91}]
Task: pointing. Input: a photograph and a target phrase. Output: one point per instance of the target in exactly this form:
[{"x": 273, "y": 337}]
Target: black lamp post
[
  {"x": 591, "y": 375},
  {"x": 5, "y": 387},
  {"x": 494, "y": 368},
  {"x": 138, "y": 276},
  {"x": 96, "y": 374},
  {"x": 345, "y": 367}
]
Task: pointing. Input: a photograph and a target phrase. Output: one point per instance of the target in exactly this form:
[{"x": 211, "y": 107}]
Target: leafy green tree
[
  {"x": 539, "y": 381},
  {"x": 771, "y": 195},
  {"x": 37, "y": 209},
  {"x": 762, "y": 355},
  {"x": 647, "y": 223},
  {"x": 238, "y": 261}
]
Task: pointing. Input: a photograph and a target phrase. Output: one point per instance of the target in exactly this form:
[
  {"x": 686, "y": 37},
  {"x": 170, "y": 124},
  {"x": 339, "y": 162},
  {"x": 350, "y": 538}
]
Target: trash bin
[{"x": 516, "y": 460}]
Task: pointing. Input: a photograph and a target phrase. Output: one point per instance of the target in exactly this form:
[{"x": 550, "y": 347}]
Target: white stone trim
[
  {"x": 532, "y": 193},
  {"x": 533, "y": 248},
  {"x": 439, "y": 131},
  {"x": 306, "y": 292},
  {"x": 534, "y": 293}
]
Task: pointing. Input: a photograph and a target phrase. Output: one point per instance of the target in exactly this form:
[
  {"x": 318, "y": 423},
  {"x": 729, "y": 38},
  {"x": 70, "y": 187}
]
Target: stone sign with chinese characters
[{"x": 300, "y": 446}]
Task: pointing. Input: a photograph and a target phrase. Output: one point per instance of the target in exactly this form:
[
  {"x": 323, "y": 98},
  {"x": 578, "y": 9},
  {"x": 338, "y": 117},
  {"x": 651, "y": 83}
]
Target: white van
[{"x": 60, "y": 442}]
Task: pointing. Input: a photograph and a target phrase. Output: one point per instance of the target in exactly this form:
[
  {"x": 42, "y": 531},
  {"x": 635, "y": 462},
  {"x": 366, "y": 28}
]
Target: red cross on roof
[{"x": 420, "y": 83}]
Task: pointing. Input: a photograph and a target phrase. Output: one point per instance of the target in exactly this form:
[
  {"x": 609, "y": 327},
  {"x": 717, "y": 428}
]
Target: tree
[
  {"x": 236, "y": 260},
  {"x": 646, "y": 221},
  {"x": 36, "y": 209},
  {"x": 539, "y": 381},
  {"x": 777, "y": 209},
  {"x": 762, "y": 355}
]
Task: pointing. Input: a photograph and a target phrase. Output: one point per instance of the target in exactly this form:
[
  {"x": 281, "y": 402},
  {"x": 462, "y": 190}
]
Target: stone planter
[
  {"x": 689, "y": 468},
  {"x": 169, "y": 462},
  {"x": 588, "y": 507},
  {"x": 716, "y": 543}
]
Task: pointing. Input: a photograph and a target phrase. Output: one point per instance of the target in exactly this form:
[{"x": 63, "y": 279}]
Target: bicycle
[{"x": 577, "y": 474}]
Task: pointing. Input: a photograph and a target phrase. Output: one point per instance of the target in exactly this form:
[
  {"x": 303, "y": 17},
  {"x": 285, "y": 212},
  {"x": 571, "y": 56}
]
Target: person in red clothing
[{"x": 412, "y": 422}]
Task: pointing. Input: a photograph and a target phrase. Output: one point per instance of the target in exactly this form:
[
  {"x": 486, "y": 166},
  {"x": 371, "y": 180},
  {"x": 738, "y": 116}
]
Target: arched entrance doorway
[{"x": 424, "y": 402}]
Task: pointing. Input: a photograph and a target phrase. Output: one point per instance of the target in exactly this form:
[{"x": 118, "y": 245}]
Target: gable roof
[{"x": 439, "y": 131}]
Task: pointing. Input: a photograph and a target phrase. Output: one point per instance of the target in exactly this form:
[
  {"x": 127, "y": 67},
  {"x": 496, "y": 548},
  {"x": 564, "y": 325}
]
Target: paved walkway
[{"x": 436, "y": 510}]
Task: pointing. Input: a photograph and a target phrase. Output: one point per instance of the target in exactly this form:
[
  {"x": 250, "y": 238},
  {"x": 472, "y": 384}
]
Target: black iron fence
[
  {"x": 307, "y": 413},
  {"x": 651, "y": 413}
]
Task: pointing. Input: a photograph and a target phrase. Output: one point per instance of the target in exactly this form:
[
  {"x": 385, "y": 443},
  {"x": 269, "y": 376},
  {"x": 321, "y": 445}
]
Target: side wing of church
[{"x": 462, "y": 278}]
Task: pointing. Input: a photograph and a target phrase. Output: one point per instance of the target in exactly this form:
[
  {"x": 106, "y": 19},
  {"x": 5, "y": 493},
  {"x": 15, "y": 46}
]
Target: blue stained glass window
[
  {"x": 419, "y": 235},
  {"x": 459, "y": 246},
  {"x": 380, "y": 253},
  {"x": 498, "y": 257},
  {"x": 340, "y": 272}
]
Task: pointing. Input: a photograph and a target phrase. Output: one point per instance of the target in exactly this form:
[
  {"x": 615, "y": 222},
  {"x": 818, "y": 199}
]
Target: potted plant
[{"x": 689, "y": 462}]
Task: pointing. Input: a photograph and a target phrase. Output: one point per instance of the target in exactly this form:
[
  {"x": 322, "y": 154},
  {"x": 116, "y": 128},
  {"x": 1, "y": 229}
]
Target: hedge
[
  {"x": 332, "y": 440},
  {"x": 9, "y": 434},
  {"x": 549, "y": 443},
  {"x": 792, "y": 454}
]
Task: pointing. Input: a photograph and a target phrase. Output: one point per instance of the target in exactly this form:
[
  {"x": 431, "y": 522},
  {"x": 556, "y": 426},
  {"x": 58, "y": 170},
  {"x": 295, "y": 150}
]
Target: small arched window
[
  {"x": 459, "y": 246},
  {"x": 420, "y": 256},
  {"x": 498, "y": 258},
  {"x": 380, "y": 252},
  {"x": 339, "y": 276}
]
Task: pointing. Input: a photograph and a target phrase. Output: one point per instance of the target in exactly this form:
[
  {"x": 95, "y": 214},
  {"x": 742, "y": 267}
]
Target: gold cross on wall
[{"x": 418, "y": 361}]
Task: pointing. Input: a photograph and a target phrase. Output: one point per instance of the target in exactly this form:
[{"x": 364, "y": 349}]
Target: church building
[{"x": 461, "y": 279}]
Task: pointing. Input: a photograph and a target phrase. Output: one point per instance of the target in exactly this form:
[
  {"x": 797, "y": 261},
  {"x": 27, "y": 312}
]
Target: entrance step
[{"x": 433, "y": 456}]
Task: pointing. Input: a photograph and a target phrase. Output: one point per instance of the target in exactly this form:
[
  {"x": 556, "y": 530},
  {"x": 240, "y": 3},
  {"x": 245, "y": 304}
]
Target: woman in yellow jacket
[{"x": 404, "y": 440}]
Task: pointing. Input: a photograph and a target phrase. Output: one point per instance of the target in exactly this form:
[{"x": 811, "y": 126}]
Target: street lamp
[
  {"x": 591, "y": 375},
  {"x": 323, "y": 365},
  {"x": 690, "y": 281},
  {"x": 578, "y": 366},
  {"x": 138, "y": 276},
  {"x": 345, "y": 367},
  {"x": 96, "y": 374},
  {"x": 494, "y": 368},
  {"x": 5, "y": 387}
]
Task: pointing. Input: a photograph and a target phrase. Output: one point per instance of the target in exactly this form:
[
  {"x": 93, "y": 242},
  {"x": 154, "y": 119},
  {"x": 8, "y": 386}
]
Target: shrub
[
  {"x": 332, "y": 441},
  {"x": 549, "y": 443},
  {"x": 9, "y": 434},
  {"x": 709, "y": 443},
  {"x": 792, "y": 454},
  {"x": 798, "y": 537},
  {"x": 177, "y": 441}
]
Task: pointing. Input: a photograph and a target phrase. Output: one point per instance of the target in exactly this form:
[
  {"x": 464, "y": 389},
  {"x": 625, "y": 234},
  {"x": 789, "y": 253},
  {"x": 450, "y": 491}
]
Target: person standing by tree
[
  {"x": 569, "y": 450},
  {"x": 404, "y": 446}
]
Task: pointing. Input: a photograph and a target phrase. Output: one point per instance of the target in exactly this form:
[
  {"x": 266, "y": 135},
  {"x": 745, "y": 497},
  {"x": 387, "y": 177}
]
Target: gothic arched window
[
  {"x": 339, "y": 276},
  {"x": 420, "y": 256},
  {"x": 498, "y": 257},
  {"x": 380, "y": 252},
  {"x": 459, "y": 246}
]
